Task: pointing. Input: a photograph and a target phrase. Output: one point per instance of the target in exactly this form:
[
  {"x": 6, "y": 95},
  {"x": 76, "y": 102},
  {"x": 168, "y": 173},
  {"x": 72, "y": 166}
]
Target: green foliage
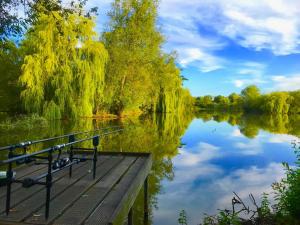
[
  {"x": 140, "y": 77},
  {"x": 250, "y": 100},
  {"x": 277, "y": 103},
  {"x": 182, "y": 220},
  {"x": 10, "y": 70},
  {"x": 27, "y": 122},
  {"x": 285, "y": 211},
  {"x": 287, "y": 191},
  {"x": 295, "y": 102},
  {"x": 251, "y": 124},
  {"x": 63, "y": 70},
  {"x": 224, "y": 217},
  {"x": 265, "y": 206},
  {"x": 10, "y": 23},
  {"x": 235, "y": 99},
  {"x": 133, "y": 43},
  {"x": 13, "y": 23}
]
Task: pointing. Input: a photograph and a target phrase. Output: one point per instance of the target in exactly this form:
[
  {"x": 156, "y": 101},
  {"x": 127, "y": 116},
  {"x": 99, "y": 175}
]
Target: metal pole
[
  {"x": 71, "y": 139},
  {"x": 48, "y": 183},
  {"x": 95, "y": 158},
  {"x": 9, "y": 175}
]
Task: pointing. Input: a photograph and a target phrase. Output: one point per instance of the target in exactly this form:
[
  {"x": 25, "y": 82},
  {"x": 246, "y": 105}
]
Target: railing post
[
  {"x": 146, "y": 207},
  {"x": 48, "y": 183},
  {"x": 130, "y": 217},
  {"x": 95, "y": 158},
  {"x": 9, "y": 176},
  {"x": 71, "y": 139}
]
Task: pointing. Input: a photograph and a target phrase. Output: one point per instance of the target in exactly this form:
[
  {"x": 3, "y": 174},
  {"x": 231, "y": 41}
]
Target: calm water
[{"x": 198, "y": 160}]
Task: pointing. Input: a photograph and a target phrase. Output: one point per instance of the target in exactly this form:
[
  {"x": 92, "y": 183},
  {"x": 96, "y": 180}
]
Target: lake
[{"x": 199, "y": 160}]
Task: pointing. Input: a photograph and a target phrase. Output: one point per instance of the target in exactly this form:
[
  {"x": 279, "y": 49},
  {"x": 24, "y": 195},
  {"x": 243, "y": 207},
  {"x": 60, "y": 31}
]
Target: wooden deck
[{"x": 107, "y": 199}]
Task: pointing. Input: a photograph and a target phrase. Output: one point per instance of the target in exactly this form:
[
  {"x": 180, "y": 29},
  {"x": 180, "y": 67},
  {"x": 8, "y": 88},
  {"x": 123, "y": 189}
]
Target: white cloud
[
  {"x": 282, "y": 138},
  {"x": 249, "y": 73},
  {"x": 204, "y": 61},
  {"x": 245, "y": 181},
  {"x": 197, "y": 30},
  {"x": 215, "y": 189},
  {"x": 286, "y": 83},
  {"x": 258, "y": 24},
  {"x": 201, "y": 153},
  {"x": 180, "y": 26},
  {"x": 250, "y": 147},
  {"x": 239, "y": 83},
  {"x": 236, "y": 133}
]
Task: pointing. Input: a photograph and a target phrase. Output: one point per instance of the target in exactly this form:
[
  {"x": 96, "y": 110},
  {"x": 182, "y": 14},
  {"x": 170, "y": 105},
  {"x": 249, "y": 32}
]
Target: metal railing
[{"x": 53, "y": 166}]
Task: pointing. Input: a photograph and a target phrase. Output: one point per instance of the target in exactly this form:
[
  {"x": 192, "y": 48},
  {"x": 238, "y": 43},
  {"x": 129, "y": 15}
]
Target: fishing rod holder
[{"x": 53, "y": 166}]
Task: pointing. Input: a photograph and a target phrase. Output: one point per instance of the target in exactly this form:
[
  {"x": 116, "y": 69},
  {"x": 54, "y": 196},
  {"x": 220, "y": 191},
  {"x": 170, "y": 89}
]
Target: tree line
[
  {"x": 252, "y": 100},
  {"x": 55, "y": 64}
]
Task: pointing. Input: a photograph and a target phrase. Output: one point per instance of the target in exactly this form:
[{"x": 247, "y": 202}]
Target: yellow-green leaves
[
  {"x": 140, "y": 76},
  {"x": 63, "y": 72}
]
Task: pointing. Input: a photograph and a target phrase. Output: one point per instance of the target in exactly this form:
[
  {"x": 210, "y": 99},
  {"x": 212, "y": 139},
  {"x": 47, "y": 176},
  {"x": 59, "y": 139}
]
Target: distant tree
[
  {"x": 235, "y": 98},
  {"x": 221, "y": 100},
  {"x": 250, "y": 92},
  {"x": 205, "y": 101},
  {"x": 295, "y": 102},
  {"x": 277, "y": 103},
  {"x": 251, "y": 98}
]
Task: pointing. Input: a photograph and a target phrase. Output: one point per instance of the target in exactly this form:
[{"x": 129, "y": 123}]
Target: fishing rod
[
  {"x": 47, "y": 154},
  {"x": 25, "y": 144},
  {"x": 55, "y": 148}
]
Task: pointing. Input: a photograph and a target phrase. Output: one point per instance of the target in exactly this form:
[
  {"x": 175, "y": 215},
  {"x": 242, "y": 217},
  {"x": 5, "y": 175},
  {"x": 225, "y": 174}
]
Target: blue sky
[{"x": 225, "y": 45}]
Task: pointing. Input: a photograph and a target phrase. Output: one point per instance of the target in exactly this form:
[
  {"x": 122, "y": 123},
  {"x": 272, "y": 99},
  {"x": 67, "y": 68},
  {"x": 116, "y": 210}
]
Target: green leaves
[
  {"x": 63, "y": 71},
  {"x": 140, "y": 77},
  {"x": 182, "y": 220}
]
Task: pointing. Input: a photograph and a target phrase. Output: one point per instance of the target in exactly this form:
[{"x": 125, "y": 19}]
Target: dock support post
[
  {"x": 48, "y": 183},
  {"x": 130, "y": 217},
  {"x": 146, "y": 207},
  {"x": 9, "y": 176}
]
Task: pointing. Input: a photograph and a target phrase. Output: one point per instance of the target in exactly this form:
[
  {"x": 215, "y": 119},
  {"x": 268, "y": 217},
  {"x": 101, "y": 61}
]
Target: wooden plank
[
  {"x": 117, "y": 153},
  {"x": 127, "y": 201},
  {"x": 115, "y": 207},
  {"x": 27, "y": 170},
  {"x": 26, "y": 207},
  {"x": 22, "y": 194},
  {"x": 69, "y": 196},
  {"x": 80, "y": 200},
  {"x": 94, "y": 196}
]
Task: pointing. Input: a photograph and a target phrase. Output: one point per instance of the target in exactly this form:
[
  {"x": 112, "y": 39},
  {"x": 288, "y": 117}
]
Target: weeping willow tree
[
  {"x": 133, "y": 43},
  {"x": 63, "y": 71},
  {"x": 140, "y": 76}
]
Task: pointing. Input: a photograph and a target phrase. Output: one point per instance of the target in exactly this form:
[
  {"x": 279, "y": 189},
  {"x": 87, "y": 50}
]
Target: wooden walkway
[{"x": 107, "y": 199}]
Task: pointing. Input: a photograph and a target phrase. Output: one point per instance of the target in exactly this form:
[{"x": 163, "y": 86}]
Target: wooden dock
[{"x": 81, "y": 199}]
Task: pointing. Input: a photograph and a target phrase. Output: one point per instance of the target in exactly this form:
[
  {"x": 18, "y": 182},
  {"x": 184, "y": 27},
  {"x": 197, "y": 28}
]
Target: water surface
[{"x": 199, "y": 160}]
